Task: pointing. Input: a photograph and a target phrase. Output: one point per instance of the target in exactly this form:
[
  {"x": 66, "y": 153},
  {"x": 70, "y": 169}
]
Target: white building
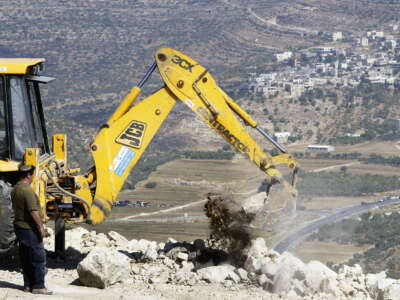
[
  {"x": 266, "y": 77},
  {"x": 283, "y": 56},
  {"x": 282, "y": 137},
  {"x": 324, "y": 50},
  {"x": 364, "y": 41},
  {"x": 337, "y": 36},
  {"x": 267, "y": 90},
  {"x": 375, "y": 77},
  {"x": 352, "y": 135},
  {"x": 322, "y": 148},
  {"x": 375, "y": 34},
  {"x": 294, "y": 90}
]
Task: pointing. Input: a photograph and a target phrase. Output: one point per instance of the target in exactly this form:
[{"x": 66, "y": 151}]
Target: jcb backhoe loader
[{"x": 67, "y": 195}]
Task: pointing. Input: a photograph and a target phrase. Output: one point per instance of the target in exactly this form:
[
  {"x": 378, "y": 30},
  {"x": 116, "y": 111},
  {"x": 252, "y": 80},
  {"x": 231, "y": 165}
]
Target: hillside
[{"x": 99, "y": 50}]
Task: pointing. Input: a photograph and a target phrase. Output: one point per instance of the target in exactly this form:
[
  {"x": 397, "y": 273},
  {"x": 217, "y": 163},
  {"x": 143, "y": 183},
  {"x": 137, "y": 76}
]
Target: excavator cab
[
  {"x": 22, "y": 126},
  {"x": 22, "y": 123}
]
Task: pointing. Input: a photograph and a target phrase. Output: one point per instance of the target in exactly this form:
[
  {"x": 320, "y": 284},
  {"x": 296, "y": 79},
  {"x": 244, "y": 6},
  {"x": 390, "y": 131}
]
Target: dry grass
[
  {"x": 330, "y": 203},
  {"x": 367, "y": 148},
  {"x": 159, "y": 231},
  {"x": 309, "y": 165},
  {"x": 382, "y": 148},
  {"x": 179, "y": 183},
  {"x": 327, "y": 251},
  {"x": 373, "y": 169},
  {"x": 352, "y": 167}
]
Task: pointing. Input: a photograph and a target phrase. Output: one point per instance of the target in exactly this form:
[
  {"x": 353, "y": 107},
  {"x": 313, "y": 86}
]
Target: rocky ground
[{"x": 111, "y": 267}]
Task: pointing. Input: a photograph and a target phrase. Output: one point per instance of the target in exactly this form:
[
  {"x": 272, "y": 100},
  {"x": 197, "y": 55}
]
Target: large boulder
[
  {"x": 372, "y": 279},
  {"x": 260, "y": 259},
  {"x": 329, "y": 285},
  {"x": 101, "y": 240},
  {"x": 352, "y": 281},
  {"x": 103, "y": 267},
  {"x": 73, "y": 238},
  {"x": 216, "y": 274},
  {"x": 288, "y": 267},
  {"x": 386, "y": 289},
  {"x": 315, "y": 273},
  {"x": 258, "y": 249},
  {"x": 148, "y": 249},
  {"x": 117, "y": 240}
]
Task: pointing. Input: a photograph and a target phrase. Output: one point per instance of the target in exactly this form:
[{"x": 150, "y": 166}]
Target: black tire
[{"x": 7, "y": 235}]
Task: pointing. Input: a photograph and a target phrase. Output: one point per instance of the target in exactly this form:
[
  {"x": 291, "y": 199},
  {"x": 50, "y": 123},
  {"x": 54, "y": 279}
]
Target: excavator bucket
[
  {"x": 195, "y": 86},
  {"x": 234, "y": 223}
]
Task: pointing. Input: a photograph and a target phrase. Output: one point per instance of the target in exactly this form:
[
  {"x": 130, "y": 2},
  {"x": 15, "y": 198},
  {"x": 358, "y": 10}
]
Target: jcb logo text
[
  {"x": 132, "y": 136},
  {"x": 183, "y": 63}
]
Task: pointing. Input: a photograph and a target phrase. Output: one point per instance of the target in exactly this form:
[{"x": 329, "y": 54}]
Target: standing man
[{"x": 30, "y": 232}]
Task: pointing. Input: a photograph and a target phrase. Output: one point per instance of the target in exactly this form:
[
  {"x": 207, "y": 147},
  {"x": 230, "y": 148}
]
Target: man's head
[{"x": 26, "y": 172}]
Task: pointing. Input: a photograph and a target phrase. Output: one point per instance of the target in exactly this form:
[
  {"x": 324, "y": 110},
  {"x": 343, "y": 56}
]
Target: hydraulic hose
[{"x": 88, "y": 218}]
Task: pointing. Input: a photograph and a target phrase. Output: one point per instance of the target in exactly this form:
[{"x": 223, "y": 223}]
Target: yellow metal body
[
  {"x": 8, "y": 166},
  {"x": 18, "y": 65},
  {"x": 120, "y": 144},
  {"x": 122, "y": 140}
]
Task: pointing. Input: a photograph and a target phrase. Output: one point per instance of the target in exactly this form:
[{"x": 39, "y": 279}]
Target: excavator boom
[{"x": 128, "y": 132}]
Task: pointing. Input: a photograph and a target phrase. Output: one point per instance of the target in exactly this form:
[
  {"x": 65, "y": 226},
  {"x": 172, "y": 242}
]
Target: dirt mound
[{"x": 183, "y": 270}]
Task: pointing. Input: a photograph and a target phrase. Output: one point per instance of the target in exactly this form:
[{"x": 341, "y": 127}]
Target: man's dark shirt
[{"x": 24, "y": 200}]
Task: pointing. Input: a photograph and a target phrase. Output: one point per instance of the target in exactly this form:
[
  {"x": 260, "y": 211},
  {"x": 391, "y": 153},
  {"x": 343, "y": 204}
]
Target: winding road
[
  {"x": 158, "y": 212},
  {"x": 290, "y": 242}
]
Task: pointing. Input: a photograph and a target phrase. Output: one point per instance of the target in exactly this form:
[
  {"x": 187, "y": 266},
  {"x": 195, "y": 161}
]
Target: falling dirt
[
  {"x": 229, "y": 225},
  {"x": 234, "y": 224}
]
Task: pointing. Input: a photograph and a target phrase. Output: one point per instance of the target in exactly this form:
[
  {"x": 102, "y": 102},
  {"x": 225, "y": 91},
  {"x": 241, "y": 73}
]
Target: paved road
[
  {"x": 162, "y": 211},
  {"x": 335, "y": 167},
  {"x": 291, "y": 241}
]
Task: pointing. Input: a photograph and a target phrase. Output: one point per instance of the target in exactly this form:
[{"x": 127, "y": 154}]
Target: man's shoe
[
  {"x": 27, "y": 289},
  {"x": 42, "y": 291}
]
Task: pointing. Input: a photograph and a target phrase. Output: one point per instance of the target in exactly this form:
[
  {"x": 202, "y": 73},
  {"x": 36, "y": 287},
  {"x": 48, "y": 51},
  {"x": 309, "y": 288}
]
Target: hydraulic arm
[{"x": 122, "y": 140}]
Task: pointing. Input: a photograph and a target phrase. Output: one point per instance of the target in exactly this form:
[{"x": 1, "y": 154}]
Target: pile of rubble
[{"x": 104, "y": 260}]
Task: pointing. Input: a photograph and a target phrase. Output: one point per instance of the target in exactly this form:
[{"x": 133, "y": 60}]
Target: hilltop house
[
  {"x": 323, "y": 148},
  {"x": 336, "y": 36},
  {"x": 281, "y": 137},
  {"x": 283, "y": 56}
]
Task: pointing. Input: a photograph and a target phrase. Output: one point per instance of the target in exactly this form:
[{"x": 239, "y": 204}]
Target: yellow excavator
[{"x": 67, "y": 195}]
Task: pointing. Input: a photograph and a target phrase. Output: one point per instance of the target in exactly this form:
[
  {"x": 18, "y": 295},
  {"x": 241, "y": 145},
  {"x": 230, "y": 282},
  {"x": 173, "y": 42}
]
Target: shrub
[{"x": 150, "y": 185}]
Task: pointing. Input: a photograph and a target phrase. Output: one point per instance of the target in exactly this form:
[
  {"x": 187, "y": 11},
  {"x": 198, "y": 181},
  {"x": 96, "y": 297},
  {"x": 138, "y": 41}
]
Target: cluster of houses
[{"x": 373, "y": 56}]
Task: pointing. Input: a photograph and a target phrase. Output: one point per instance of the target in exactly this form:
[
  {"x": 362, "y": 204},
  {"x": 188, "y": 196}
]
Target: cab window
[
  {"x": 22, "y": 123},
  {"x": 37, "y": 125}
]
